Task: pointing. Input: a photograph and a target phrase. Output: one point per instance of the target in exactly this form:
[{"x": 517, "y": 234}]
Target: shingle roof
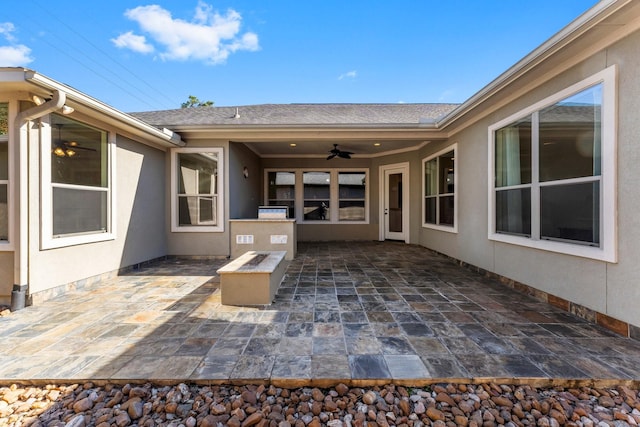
[{"x": 299, "y": 114}]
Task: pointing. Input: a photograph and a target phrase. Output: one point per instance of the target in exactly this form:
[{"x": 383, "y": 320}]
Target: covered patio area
[{"x": 361, "y": 313}]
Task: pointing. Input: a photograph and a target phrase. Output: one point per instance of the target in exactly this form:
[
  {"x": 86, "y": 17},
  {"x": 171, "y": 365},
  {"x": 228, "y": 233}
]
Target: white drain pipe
[{"x": 21, "y": 211}]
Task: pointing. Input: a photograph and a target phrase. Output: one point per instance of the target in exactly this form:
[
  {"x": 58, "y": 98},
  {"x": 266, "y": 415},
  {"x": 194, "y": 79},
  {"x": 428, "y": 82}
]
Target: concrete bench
[{"x": 253, "y": 278}]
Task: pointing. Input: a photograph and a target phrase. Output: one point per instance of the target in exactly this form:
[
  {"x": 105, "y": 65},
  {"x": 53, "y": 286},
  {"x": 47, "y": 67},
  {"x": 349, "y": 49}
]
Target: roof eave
[{"x": 160, "y": 136}]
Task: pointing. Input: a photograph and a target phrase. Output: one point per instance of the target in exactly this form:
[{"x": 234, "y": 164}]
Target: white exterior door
[{"x": 394, "y": 213}]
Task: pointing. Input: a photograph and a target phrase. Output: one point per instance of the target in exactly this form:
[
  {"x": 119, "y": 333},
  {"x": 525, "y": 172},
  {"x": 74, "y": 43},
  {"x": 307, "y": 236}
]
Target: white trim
[
  {"x": 608, "y": 177},
  {"x": 449, "y": 229},
  {"x": 47, "y": 241},
  {"x": 334, "y": 196},
  {"x": 219, "y": 227},
  {"x": 404, "y": 169}
]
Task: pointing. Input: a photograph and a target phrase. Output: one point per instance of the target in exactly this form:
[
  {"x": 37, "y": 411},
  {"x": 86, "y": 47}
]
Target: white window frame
[
  {"x": 607, "y": 250},
  {"x": 447, "y": 228},
  {"x": 48, "y": 241},
  {"x": 175, "y": 226},
  {"x": 334, "y": 196}
]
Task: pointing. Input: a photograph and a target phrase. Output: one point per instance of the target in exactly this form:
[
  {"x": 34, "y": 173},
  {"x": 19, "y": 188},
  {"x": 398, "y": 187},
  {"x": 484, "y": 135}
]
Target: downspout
[{"x": 21, "y": 254}]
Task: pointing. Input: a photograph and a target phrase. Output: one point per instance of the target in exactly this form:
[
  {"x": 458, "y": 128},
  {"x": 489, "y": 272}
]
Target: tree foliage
[{"x": 193, "y": 101}]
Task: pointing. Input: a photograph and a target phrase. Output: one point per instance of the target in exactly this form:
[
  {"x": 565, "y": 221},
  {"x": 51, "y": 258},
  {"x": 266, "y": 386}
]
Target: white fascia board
[{"x": 160, "y": 136}]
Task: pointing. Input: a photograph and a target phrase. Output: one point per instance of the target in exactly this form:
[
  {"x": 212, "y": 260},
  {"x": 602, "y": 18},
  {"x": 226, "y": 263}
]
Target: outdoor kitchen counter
[{"x": 263, "y": 235}]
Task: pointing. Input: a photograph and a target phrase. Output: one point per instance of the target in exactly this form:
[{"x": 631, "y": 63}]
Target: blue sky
[{"x": 139, "y": 55}]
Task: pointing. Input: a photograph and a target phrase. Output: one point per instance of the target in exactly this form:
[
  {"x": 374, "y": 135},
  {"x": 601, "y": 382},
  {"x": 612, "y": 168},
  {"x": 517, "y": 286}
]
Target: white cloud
[
  {"x": 350, "y": 74},
  {"x": 134, "y": 42},
  {"x": 15, "y": 55},
  {"x": 210, "y": 36}
]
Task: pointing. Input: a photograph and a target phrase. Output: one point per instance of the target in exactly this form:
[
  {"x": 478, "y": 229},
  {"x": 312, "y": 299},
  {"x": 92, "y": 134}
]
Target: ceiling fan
[
  {"x": 339, "y": 153},
  {"x": 66, "y": 148}
]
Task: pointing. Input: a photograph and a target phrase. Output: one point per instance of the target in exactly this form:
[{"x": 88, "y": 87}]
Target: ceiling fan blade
[
  {"x": 82, "y": 148},
  {"x": 331, "y": 156},
  {"x": 344, "y": 155}
]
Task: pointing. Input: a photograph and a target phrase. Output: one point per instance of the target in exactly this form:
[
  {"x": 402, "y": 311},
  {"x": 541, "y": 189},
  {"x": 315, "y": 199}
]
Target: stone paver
[{"x": 345, "y": 312}]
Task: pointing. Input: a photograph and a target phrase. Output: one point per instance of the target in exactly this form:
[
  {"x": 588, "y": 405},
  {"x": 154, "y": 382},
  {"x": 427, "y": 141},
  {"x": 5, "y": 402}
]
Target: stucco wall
[
  {"x": 139, "y": 215},
  {"x": 6, "y": 277},
  {"x": 245, "y": 194},
  {"x": 608, "y": 288}
]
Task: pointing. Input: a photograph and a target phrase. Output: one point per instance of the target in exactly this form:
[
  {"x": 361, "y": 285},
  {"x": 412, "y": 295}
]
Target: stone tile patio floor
[{"x": 360, "y": 313}]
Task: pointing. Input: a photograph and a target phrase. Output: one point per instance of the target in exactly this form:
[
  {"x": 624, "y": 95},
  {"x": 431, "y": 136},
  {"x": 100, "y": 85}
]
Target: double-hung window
[
  {"x": 4, "y": 173},
  {"x": 439, "y": 190},
  {"x": 324, "y": 195},
  {"x": 196, "y": 180},
  {"x": 77, "y": 190},
  {"x": 553, "y": 172}
]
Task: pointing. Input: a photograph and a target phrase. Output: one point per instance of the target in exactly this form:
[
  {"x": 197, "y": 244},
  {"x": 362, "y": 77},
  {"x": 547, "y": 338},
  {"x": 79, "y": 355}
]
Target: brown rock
[
  {"x": 253, "y": 419},
  {"x": 369, "y": 398},
  {"x": 122, "y": 419},
  {"x": 606, "y": 401},
  {"x": 250, "y": 397},
  {"x": 317, "y": 395},
  {"x": 135, "y": 410},
  {"x": 502, "y": 401},
  {"x": 234, "y": 422},
  {"x": 316, "y": 408},
  {"x": 82, "y": 405},
  {"x": 461, "y": 420},
  {"x": 341, "y": 389},
  {"x": 405, "y": 407},
  {"x": 209, "y": 421},
  {"x": 445, "y": 398},
  {"x": 435, "y": 414}
]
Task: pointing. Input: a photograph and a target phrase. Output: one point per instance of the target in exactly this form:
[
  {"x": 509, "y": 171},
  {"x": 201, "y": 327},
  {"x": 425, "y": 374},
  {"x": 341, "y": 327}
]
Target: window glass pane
[
  {"x": 571, "y": 212},
  {"x": 431, "y": 177},
  {"x": 513, "y": 211},
  {"x": 317, "y": 193},
  {"x": 513, "y": 154},
  {"x": 446, "y": 210},
  {"x": 197, "y": 173},
  {"x": 79, "y": 211},
  {"x": 317, "y": 185},
  {"x": 78, "y": 153},
  {"x": 570, "y": 137},
  {"x": 352, "y": 193},
  {"x": 197, "y": 210},
  {"x": 351, "y": 185},
  {"x": 316, "y": 210},
  {"x": 4, "y": 118},
  {"x": 445, "y": 165},
  {"x": 430, "y": 204},
  {"x": 282, "y": 190},
  {"x": 4, "y": 213},
  {"x": 351, "y": 210},
  {"x": 4, "y": 160}
]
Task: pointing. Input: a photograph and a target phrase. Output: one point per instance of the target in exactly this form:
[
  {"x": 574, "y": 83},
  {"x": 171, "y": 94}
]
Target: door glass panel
[{"x": 395, "y": 202}]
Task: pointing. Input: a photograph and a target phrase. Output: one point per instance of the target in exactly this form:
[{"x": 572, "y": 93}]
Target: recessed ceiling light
[
  {"x": 293, "y": 144},
  {"x": 377, "y": 144}
]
